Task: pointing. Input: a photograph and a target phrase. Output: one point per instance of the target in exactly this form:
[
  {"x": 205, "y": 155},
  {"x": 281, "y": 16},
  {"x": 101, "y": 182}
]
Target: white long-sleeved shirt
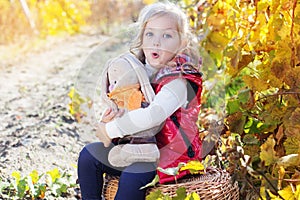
[{"x": 171, "y": 97}]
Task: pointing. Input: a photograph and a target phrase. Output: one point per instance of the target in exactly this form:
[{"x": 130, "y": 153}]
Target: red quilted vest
[{"x": 173, "y": 147}]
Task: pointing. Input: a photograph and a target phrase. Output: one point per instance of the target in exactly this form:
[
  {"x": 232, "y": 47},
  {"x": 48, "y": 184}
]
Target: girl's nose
[{"x": 156, "y": 42}]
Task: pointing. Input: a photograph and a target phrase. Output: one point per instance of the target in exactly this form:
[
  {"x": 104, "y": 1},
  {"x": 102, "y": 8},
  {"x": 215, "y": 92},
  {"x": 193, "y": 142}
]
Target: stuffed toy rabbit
[{"x": 126, "y": 85}]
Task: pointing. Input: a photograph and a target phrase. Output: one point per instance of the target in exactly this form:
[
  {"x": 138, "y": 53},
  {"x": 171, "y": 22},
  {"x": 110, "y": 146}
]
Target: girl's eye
[
  {"x": 149, "y": 34},
  {"x": 166, "y": 35}
]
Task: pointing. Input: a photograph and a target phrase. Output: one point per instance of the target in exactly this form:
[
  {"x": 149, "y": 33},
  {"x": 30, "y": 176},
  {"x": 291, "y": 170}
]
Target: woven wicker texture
[
  {"x": 214, "y": 184},
  {"x": 110, "y": 187}
]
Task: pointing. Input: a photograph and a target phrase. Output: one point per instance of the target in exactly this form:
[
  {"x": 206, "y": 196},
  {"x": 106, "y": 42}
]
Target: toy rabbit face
[{"x": 120, "y": 74}]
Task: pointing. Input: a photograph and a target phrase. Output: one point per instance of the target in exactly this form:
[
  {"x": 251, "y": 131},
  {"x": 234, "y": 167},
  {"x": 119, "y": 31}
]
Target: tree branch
[{"x": 293, "y": 56}]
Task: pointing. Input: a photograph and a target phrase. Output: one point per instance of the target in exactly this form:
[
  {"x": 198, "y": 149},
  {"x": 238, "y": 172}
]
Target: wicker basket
[
  {"x": 110, "y": 187},
  {"x": 214, "y": 184}
]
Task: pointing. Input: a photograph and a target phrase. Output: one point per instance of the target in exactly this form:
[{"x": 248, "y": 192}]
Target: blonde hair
[{"x": 161, "y": 9}]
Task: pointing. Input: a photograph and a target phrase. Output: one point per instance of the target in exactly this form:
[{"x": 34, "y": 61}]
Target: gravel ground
[{"x": 36, "y": 129}]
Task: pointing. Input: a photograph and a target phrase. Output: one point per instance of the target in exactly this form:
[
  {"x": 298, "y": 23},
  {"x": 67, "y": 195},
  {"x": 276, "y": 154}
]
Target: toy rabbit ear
[
  {"x": 138, "y": 67},
  {"x": 104, "y": 88}
]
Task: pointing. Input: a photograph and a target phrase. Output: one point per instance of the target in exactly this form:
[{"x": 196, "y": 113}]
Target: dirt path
[{"x": 36, "y": 130}]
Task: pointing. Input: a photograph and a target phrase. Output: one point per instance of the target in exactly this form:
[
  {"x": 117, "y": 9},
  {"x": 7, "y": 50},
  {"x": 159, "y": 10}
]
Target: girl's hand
[
  {"x": 110, "y": 114},
  {"x": 102, "y": 134}
]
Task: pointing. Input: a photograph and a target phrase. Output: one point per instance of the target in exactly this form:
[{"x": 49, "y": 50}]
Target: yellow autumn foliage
[
  {"x": 47, "y": 17},
  {"x": 194, "y": 166},
  {"x": 256, "y": 45}
]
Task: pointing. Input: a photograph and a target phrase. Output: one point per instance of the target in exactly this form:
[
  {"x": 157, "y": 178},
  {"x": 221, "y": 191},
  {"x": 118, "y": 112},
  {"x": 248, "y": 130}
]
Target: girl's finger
[
  {"x": 107, "y": 111},
  {"x": 108, "y": 115},
  {"x": 120, "y": 113}
]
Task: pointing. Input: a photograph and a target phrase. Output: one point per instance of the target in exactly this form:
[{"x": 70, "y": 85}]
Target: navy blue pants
[{"x": 93, "y": 162}]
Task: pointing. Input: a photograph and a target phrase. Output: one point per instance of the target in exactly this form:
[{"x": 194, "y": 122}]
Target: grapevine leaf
[
  {"x": 246, "y": 59},
  {"x": 233, "y": 106},
  {"x": 287, "y": 193},
  {"x": 268, "y": 153},
  {"x": 292, "y": 127},
  {"x": 244, "y": 95},
  {"x": 180, "y": 194},
  {"x": 253, "y": 126},
  {"x": 255, "y": 84},
  {"x": 297, "y": 193},
  {"x": 193, "y": 196},
  {"x": 194, "y": 166},
  {"x": 292, "y": 144},
  {"x": 237, "y": 122},
  {"x": 250, "y": 139},
  {"x": 272, "y": 196},
  {"x": 292, "y": 77},
  {"x": 218, "y": 39},
  {"x": 155, "y": 195},
  {"x": 295, "y": 117}
]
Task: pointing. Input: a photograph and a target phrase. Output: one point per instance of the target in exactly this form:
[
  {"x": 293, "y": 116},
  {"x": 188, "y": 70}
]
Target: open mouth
[{"x": 155, "y": 55}]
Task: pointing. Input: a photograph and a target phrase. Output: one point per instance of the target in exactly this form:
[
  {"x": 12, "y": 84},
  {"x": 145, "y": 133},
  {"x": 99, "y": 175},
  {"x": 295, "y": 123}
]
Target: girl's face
[{"x": 161, "y": 40}]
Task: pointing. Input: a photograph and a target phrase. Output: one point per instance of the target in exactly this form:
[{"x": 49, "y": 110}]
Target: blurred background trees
[{"x": 53, "y": 17}]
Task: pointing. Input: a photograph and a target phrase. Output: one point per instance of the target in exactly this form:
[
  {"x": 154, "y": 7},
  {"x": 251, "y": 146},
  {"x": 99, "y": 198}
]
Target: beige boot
[{"x": 126, "y": 154}]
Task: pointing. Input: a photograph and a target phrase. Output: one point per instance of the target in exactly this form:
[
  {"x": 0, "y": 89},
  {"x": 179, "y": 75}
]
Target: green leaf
[
  {"x": 22, "y": 188},
  {"x": 61, "y": 188},
  {"x": 250, "y": 139},
  {"x": 233, "y": 106},
  {"x": 244, "y": 96},
  {"x": 155, "y": 195},
  {"x": 180, "y": 194},
  {"x": 41, "y": 191},
  {"x": 253, "y": 126}
]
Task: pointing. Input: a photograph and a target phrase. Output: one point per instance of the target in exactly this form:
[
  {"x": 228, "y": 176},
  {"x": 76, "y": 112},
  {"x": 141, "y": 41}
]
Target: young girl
[{"x": 166, "y": 47}]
